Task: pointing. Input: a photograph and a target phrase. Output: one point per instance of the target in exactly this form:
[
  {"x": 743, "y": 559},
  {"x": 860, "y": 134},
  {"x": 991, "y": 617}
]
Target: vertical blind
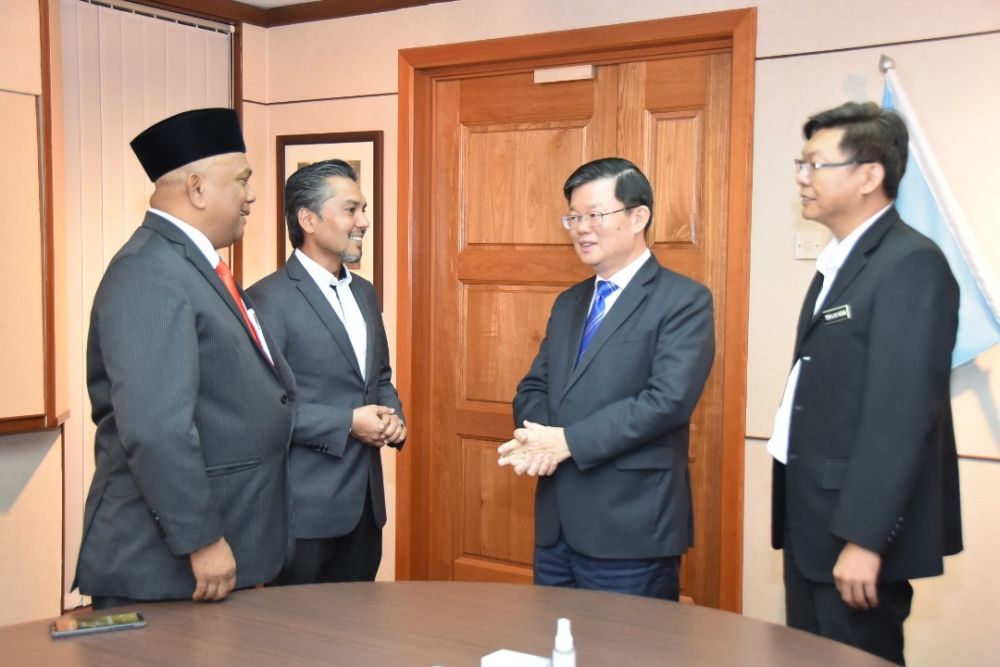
[{"x": 124, "y": 67}]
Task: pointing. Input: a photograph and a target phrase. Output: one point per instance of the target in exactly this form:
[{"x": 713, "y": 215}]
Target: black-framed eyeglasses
[
  {"x": 807, "y": 167},
  {"x": 593, "y": 219}
]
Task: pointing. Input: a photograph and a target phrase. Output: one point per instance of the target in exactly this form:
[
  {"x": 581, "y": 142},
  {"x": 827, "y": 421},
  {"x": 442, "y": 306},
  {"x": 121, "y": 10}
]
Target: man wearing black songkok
[{"x": 192, "y": 401}]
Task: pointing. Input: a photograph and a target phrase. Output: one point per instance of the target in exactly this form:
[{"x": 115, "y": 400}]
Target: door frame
[{"x": 733, "y": 30}]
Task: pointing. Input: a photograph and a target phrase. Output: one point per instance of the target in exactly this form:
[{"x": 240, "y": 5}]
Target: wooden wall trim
[
  {"x": 335, "y": 9},
  {"x": 737, "y": 316},
  {"x": 217, "y": 10},
  {"x": 613, "y": 40},
  {"x": 237, "y": 63},
  {"x": 45, "y": 158},
  {"x": 304, "y": 12},
  {"x": 405, "y": 465}
]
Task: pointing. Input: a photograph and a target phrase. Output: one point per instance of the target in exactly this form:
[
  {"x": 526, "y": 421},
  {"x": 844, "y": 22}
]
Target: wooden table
[{"x": 424, "y": 624}]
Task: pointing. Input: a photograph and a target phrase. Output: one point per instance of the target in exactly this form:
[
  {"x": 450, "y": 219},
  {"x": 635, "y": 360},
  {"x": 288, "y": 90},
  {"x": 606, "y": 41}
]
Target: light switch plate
[{"x": 808, "y": 244}]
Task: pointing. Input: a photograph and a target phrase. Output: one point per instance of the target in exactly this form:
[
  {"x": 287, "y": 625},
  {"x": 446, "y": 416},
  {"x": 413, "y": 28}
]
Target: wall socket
[{"x": 809, "y": 244}]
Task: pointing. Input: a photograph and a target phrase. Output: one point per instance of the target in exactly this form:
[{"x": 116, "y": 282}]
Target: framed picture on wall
[{"x": 361, "y": 150}]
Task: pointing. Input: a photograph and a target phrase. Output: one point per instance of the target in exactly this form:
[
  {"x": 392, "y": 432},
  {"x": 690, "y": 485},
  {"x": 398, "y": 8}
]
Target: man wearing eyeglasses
[
  {"x": 604, "y": 412},
  {"x": 865, "y": 475}
]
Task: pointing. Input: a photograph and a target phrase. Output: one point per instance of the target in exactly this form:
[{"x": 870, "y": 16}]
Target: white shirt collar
[
  {"x": 835, "y": 253},
  {"x": 200, "y": 240},
  {"x": 319, "y": 274},
  {"x": 625, "y": 275}
]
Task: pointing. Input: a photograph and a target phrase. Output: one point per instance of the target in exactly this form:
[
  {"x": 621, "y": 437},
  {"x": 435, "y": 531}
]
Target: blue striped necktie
[{"x": 604, "y": 290}]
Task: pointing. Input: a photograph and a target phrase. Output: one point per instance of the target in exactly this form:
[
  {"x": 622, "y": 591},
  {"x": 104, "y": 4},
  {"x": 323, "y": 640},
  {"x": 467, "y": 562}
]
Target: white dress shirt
[
  {"x": 621, "y": 279},
  {"x": 338, "y": 294},
  {"x": 206, "y": 248},
  {"x": 828, "y": 263}
]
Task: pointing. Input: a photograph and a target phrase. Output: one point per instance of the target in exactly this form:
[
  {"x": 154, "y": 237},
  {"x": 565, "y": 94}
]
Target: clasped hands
[
  {"x": 378, "y": 425},
  {"x": 535, "y": 450}
]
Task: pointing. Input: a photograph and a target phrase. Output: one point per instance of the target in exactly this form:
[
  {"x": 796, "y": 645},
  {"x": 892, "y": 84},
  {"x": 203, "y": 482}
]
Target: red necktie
[{"x": 230, "y": 283}]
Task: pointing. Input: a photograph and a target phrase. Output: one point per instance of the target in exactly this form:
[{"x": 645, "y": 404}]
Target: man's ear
[
  {"x": 640, "y": 216},
  {"x": 195, "y": 185},
  {"x": 307, "y": 220},
  {"x": 874, "y": 176}
]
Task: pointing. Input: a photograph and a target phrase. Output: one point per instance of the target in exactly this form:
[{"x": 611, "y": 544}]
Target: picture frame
[{"x": 363, "y": 151}]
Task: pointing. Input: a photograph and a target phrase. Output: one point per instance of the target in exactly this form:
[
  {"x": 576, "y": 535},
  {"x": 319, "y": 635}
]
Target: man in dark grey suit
[
  {"x": 327, "y": 322},
  {"x": 866, "y": 491},
  {"x": 607, "y": 404},
  {"x": 192, "y": 401}
]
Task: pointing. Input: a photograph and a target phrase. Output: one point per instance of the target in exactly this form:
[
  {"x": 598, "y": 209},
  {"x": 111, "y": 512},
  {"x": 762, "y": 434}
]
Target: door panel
[
  {"x": 504, "y": 325},
  {"x": 677, "y": 117},
  {"x": 511, "y": 202}
]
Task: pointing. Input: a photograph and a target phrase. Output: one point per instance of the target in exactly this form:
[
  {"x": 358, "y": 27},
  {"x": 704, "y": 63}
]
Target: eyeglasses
[
  {"x": 593, "y": 219},
  {"x": 806, "y": 167}
]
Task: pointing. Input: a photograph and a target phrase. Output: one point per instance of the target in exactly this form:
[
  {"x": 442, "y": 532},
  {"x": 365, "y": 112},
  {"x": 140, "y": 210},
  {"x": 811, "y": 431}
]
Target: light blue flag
[{"x": 978, "y": 324}]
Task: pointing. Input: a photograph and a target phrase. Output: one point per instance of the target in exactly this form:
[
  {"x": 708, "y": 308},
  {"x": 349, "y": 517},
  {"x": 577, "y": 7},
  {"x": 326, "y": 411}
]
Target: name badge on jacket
[{"x": 837, "y": 314}]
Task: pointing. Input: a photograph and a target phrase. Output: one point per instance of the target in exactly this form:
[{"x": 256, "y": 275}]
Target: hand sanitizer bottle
[{"x": 563, "y": 653}]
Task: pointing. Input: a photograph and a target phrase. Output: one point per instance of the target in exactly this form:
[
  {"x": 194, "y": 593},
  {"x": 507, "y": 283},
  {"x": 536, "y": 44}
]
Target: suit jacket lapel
[
  {"x": 307, "y": 286},
  {"x": 199, "y": 261},
  {"x": 578, "y": 317},
  {"x": 633, "y": 295},
  {"x": 369, "y": 318},
  {"x": 806, "y": 316},
  {"x": 855, "y": 263}
]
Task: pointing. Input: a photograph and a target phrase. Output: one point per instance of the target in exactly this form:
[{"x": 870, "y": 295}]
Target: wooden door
[
  {"x": 503, "y": 148},
  {"x": 490, "y": 258}
]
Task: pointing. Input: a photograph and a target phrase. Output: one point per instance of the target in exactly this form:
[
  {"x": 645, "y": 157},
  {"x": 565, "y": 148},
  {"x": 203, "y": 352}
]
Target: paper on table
[{"x": 507, "y": 658}]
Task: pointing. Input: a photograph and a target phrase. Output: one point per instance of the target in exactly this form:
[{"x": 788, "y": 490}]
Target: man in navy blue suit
[{"x": 605, "y": 410}]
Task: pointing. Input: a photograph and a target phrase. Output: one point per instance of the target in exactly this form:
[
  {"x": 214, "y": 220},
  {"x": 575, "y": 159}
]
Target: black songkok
[{"x": 187, "y": 137}]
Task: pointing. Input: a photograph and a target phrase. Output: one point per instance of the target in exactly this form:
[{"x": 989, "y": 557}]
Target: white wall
[{"x": 351, "y": 64}]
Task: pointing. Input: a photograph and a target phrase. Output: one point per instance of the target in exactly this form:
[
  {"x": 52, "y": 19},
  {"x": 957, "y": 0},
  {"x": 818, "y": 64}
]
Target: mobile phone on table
[{"x": 70, "y": 626}]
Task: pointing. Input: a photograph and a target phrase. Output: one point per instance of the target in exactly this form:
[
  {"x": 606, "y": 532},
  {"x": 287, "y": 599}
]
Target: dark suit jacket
[
  {"x": 872, "y": 451},
  {"x": 330, "y": 470},
  {"x": 193, "y": 424},
  {"x": 626, "y": 409}
]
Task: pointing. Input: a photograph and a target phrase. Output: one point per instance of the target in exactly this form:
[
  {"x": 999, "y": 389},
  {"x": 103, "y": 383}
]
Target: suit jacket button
[{"x": 284, "y": 398}]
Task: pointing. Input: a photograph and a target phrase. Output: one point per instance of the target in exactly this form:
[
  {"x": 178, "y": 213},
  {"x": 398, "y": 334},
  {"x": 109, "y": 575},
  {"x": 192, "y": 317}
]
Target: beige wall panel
[
  {"x": 22, "y": 340},
  {"x": 30, "y": 526},
  {"x": 21, "y": 65},
  {"x": 259, "y": 238},
  {"x": 496, "y": 352},
  {"x": 255, "y": 65},
  {"x": 490, "y": 529},
  {"x": 358, "y": 55},
  {"x": 494, "y": 159},
  {"x": 763, "y": 590},
  {"x": 954, "y": 618}
]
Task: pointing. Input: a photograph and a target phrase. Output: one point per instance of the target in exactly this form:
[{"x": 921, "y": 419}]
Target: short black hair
[
  {"x": 632, "y": 188},
  {"x": 308, "y": 188},
  {"x": 871, "y": 134}
]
